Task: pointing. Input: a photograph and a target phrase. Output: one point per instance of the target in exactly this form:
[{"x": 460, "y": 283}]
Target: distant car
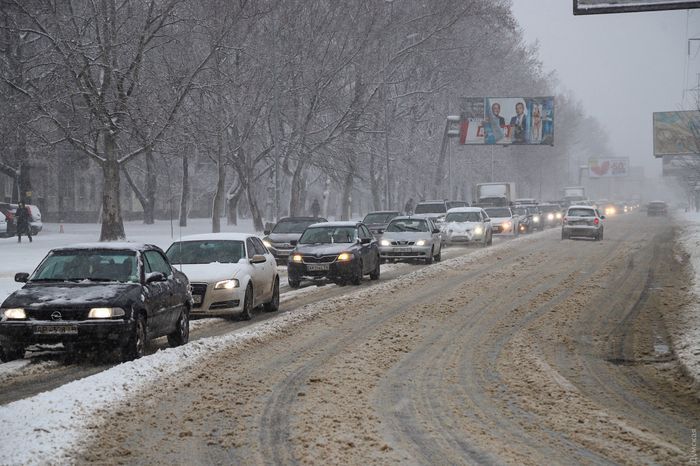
[
  {"x": 455, "y": 204},
  {"x": 8, "y": 210},
  {"x": 341, "y": 252},
  {"x": 525, "y": 201},
  {"x": 582, "y": 221},
  {"x": 35, "y": 223},
  {"x": 377, "y": 221},
  {"x": 536, "y": 216},
  {"x": 655, "y": 208},
  {"x": 230, "y": 273},
  {"x": 3, "y": 224},
  {"x": 411, "y": 238},
  {"x": 525, "y": 221},
  {"x": 551, "y": 214},
  {"x": 288, "y": 229},
  {"x": 464, "y": 225},
  {"x": 503, "y": 220},
  {"x": 434, "y": 210},
  {"x": 111, "y": 295}
]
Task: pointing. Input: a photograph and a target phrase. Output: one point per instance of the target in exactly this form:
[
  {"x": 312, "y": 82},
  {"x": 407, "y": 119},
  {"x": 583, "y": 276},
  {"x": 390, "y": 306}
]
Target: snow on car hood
[
  {"x": 461, "y": 226},
  {"x": 66, "y": 294},
  {"x": 283, "y": 237},
  {"x": 407, "y": 235},
  {"x": 212, "y": 272},
  {"x": 499, "y": 220},
  {"x": 324, "y": 249}
]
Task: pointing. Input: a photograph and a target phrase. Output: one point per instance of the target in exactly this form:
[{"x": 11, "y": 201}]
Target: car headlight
[
  {"x": 344, "y": 257},
  {"x": 507, "y": 225},
  {"x": 550, "y": 216},
  {"x": 297, "y": 258},
  {"x": 536, "y": 219},
  {"x": 478, "y": 230},
  {"x": 105, "y": 312},
  {"x": 267, "y": 243},
  {"x": 385, "y": 242},
  {"x": 14, "y": 313},
  {"x": 226, "y": 284},
  {"x": 558, "y": 215},
  {"x": 420, "y": 242}
]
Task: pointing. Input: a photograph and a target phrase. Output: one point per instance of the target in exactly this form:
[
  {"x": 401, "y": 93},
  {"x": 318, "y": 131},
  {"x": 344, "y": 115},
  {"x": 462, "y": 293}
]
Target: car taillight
[{"x": 596, "y": 221}]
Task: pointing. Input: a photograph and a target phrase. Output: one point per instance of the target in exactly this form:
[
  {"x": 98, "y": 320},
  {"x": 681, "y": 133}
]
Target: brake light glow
[{"x": 596, "y": 221}]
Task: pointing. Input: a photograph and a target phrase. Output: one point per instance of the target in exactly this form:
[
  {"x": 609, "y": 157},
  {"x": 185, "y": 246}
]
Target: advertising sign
[
  {"x": 608, "y": 167},
  {"x": 679, "y": 165},
  {"x": 507, "y": 120},
  {"x": 591, "y": 7},
  {"x": 676, "y": 133}
]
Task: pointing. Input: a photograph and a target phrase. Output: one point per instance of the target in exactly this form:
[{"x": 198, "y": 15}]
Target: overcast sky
[{"x": 623, "y": 67}]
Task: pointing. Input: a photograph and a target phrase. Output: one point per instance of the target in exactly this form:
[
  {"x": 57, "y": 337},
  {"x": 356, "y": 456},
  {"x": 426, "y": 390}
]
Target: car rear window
[
  {"x": 581, "y": 213},
  {"x": 431, "y": 208}
]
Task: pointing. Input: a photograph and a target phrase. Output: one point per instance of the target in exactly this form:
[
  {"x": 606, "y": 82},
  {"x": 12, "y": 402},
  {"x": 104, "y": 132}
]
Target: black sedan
[
  {"x": 337, "y": 251},
  {"x": 102, "y": 295}
]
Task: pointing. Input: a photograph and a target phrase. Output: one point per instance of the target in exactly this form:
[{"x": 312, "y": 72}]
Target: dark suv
[
  {"x": 657, "y": 208},
  {"x": 97, "y": 295},
  {"x": 337, "y": 251},
  {"x": 288, "y": 229}
]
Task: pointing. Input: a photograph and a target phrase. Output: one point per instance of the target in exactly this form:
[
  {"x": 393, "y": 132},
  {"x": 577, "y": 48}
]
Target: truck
[
  {"x": 498, "y": 194},
  {"x": 571, "y": 194}
]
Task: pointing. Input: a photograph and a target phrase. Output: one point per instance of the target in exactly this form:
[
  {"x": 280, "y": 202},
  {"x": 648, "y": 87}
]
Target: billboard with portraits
[
  {"x": 676, "y": 133},
  {"x": 507, "y": 120}
]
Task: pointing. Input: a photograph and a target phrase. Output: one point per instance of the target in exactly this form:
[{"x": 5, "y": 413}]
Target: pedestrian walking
[
  {"x": 408, "y": 207},
  {"x": 22, "y": 219},
  {"x": 315, "y": 208}
]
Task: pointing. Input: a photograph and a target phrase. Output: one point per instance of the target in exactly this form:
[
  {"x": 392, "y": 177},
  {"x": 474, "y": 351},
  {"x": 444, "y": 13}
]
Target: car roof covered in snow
[
  {"x": 464, "y": 209},
  {"x": 335, "y": 224},
  {"x": 108, "y": 245},
  {"x": 217, "y": 237}
]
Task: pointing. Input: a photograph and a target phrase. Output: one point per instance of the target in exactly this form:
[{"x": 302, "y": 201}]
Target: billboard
[
  {"x": 608, "y": 167},
  {"x": 507, "y": 120},
  {"x": 592, "y": 7},
  {"x": 679, "y": 165},
  {"x": 676, "y": 133}
]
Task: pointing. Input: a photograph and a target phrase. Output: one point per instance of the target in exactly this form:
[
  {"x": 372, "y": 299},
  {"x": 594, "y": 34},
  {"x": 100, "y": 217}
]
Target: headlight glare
[
  {"x": 226, "y": 284},
  {"x": 385, "y": 242},
  {"x": 558, "y": 215},
  {"x": 267, "y": 243},
  {"x": 478, "y": 230},
  {"x": 297, "y": 258},
  {"x": 14, "y": 313},
  {"x": 105, "y": 312},
  {"x": 536, "y": 219},
  {"x": 344, "y": 257},
  {"x": 420, "y": 242},
  {"x": 550, "y": 217}
]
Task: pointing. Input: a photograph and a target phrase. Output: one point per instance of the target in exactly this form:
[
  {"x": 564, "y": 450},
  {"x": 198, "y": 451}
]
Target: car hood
[
  {"x": 38, "y": 295},
  {"x": 208, "y": 273},
  {"x": 322, "y": 249},
  {"x": 406, "y": 235},
  {"x": 283, "y": 237},
  {"x": 499, "y": 220},
  {"x": 461, "y": 226}
]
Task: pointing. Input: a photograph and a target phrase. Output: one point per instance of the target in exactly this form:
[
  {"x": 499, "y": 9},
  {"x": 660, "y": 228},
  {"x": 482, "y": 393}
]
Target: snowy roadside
[
  {"x": 687, "y": 337},
  {"x": 46, "y": 427}
]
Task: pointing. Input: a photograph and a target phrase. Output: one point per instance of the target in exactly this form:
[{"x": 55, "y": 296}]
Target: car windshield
[
  {"x": 330, "y": 235},
  {"x": 498, "y": 212},
  {"x": 580, "y": 213},
  {"x": 520, "y": 211},
  {"x": 533, "y": 210},
  {"x": 379, "y": 217},
  {"x": 90, "y": 265},
  {"x": 293, "y": 226},
  {"x": 463, "y": 217},
  {"x": 206, "y": 252},
  {"x": 431, "y": 208},
  {"x": 407, "y": 225}
]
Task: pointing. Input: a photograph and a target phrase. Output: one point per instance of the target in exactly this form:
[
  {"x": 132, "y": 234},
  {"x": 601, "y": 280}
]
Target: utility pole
[{"x": 385, "y": 91}]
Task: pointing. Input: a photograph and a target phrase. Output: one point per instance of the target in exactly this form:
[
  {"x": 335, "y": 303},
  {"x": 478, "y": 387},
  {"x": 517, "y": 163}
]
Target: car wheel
[
  {"x": 438, "y": 258},
  {"x": 12, "y": 352},
  {"x": 490, "y": 239},
  {"x": 181, "y": 335},
  {"x": 429, "y": 259},
  {"x": 357, "y": 276},
  {"x": 247, "y": 312},
  {"x": 274, "y": 303},
  {"x": 136, "y": 346},
  {"x": 600, "y": 236},
  {"x": 375, "y": 275},
  {"x": 293, "y": 282}
]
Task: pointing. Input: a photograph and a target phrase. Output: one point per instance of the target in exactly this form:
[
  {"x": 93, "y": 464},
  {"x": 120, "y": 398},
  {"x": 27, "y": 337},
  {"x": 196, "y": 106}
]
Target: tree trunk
[
  {"x": 375, "y": 184},
  {"x": 232, "y": 206},
  {"x": 346, "y": 202},
  {"x": 297, "y": 194},
  {"x": 218, "y": 203},
  {"x": 326, "y": 196},
  {"x": 112, "y": 225},
  {"x": 149, "y": 208},
  {"x": 253, "y": 205},
  {"x": 185, "y": 197}
]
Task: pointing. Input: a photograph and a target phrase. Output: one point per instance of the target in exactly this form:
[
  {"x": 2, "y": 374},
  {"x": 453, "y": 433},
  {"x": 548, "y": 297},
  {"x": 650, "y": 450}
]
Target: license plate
[
  {"x": 197, "y": 298},
  {"x": 402, "y": 249},
  {"x": 56, "y": 329},
  {"x": 317, "y": 267}
]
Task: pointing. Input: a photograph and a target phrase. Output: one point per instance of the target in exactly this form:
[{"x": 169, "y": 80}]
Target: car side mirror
[
  {"x": 258, "y": 259},
  {"x": 602, "y": 217},
  {"x": 366, "y": 240},
  {"x": 436, "y": 230},
  {"x": 266, "y": 232},
  {"x": 487, "y": 220},
  {"x": 380, "y": 232},
  {"x": 154, "y": 277},
  {"x": 21, "y": 277}
]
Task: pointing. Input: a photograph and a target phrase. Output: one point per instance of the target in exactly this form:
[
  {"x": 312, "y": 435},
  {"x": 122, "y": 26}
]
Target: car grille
[
  {"x": 403, "y": 243},
  {"x": 52, "y": 314},
  {"x": 199, "y": 289},
  {"x": 497, "y": 228},
  {"x": 402, "y": 254},
  {"x": 319, "y": 260}
]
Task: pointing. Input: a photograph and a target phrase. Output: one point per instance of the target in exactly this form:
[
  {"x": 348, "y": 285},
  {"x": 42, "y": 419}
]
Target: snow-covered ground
[{"x": 687, "y": 341}]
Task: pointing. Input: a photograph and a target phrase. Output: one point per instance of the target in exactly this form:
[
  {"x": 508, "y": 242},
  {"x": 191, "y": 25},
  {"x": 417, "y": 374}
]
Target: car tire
[
  {"x": 429, "y": 259},
  {"x": 600, "y": 236},
  {"x": 181, "y": 334},
  {"x": 11, "y": 353},
  {"x": 293, "y": 282},
  {"x": 247, "y": 312},
  {"x": 138, "y": 341},
  {"x": 377, "y": 271},
  {"x": 490, "y": 239},
  {"x": 274, "y": 304},
  {"x": 357, "y": 276},
  {"x": 438, "y": 258}
]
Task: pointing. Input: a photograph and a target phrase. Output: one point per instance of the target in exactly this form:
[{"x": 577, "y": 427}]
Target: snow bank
[{"x": 687, "y": 339}]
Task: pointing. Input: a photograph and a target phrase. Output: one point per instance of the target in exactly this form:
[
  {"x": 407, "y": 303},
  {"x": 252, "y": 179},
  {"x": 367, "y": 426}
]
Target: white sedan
[
  {"x": 230, "y": 273},
  {"x": 466, "y": 225}
]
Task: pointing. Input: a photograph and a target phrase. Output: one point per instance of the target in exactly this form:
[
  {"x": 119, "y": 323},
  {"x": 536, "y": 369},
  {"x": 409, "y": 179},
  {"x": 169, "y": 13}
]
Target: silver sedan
[{"x": 410, "y": 238}]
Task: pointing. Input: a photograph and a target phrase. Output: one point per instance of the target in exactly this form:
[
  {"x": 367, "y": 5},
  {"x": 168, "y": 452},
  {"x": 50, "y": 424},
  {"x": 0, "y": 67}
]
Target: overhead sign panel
[
  {"x": 676, "y": 133},
  {"x": 680, "y": 166},
  {"x": 608, "y": 167},
  {"x": 507, "y": 120},
  {"x": 592, "y": 7}
]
